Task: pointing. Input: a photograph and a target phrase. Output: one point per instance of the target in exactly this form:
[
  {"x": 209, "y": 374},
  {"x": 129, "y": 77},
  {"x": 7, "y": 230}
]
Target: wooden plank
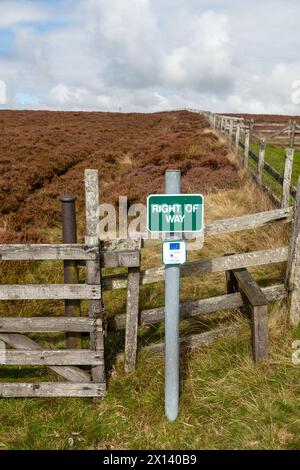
[
  {"x": 49, "y": 292},
  {"x": 236, "y": 224},
  {"x": 220, "y": 264},
  {"x": 270, "y": 124},
  {"x": 287, "y": 178},
  {"x": 120, "y": 244},
  {"x": 276, "y": 134},
  {"x": 196, "y": 341},
  {"x": 130, "y": 259},
  {"x": 72, "y": 374},
  {"x": 132, "y": 315},
  {"x": 47, "y": 324},
  {"x": 249, "y": 287},
  {"x": 247, "y": 222},
  {"x": 93, "y": 274},
  {"x": 113, "y": 259},
  {"x": 50, "y": 389},
  {"x": 293, "y": 265},
  {"x": 200, "y": 307},
  {"x": 62, "y": 357},
  {"x": 199, "y": 267},
  {"x": 260, "y": 336},
  {"x": 21, "y": 252}
]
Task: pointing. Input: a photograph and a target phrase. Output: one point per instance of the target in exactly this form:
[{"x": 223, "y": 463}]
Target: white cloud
[
  {"x": 152, "y": 55},
  {"x": 13, "y": 12}
]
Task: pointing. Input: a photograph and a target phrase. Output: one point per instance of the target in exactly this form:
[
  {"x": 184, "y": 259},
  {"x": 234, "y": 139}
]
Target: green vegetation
[
  {"x": 226, "y": 403},
  {"x": 275, "y": 156}
]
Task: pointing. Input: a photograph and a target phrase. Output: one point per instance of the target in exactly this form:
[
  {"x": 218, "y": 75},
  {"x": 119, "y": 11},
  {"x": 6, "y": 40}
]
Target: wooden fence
[
  {"x": 240, "y": 135},
  {"x": 279, "y": 134},
  {"x": 25, "y": 351},
  {"x": 242, "y": 291}
]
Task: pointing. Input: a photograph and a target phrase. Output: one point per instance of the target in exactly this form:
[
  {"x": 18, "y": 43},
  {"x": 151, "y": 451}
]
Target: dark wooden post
[{"x": 72, "y": 307}]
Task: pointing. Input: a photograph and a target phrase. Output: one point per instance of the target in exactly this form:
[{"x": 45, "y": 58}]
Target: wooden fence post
[
  {"x": 222, "y": 124},
  {"x": 261, "y": 160},
  {"x": 237, "y": 138},
  {"x": 292, "y": 133},
  {"x": 259, "y": 312},
  {"x": 230, "y": 130},
  {"x": 231, "y": 283},
  {"x": 214, "y": 121},
  {"x": 287, "y": 178},
  {"x": 132, "y": 316},
  {"x": 293, "y": 265},
  {"x": 93, "y": 273},
  {"x": 247, "y": 147}
]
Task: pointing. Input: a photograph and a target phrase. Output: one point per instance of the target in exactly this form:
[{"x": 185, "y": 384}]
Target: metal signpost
[{"x": 173, "y": 213}]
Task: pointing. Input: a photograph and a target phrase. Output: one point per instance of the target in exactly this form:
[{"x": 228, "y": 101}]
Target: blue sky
[{"x": 148, "y": 55}]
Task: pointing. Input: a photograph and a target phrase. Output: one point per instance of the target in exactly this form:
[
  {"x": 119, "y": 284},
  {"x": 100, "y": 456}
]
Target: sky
[{"x": 150, "y": 55}]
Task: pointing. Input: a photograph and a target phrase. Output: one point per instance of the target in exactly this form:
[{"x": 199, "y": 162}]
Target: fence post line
[
  {"x": 93, "y": 268},
  {"x": 237, "y": 138},
  {"x": 214, "y": 121},
  {"x": 69, "y": 230},
  {"x": 287, "y": 178},
  {"x": 247, "y": 147},
  {"x": 261, "y": 160}
]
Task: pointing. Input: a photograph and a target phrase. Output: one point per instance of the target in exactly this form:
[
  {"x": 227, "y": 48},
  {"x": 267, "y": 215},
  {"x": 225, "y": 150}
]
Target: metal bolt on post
[
  {"x": 172, "y": 274},
  {"x": 72, "y": 307}
]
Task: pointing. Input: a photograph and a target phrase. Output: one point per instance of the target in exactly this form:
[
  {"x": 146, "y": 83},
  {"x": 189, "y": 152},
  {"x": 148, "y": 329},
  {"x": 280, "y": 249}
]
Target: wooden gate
[{"x": 23, "y": 350}]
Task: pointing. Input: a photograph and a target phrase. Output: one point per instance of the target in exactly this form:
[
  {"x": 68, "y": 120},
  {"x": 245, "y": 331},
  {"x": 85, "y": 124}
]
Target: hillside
[{"x": 44, "y": 154}]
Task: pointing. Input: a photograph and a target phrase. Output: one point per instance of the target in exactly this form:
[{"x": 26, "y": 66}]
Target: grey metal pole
[
  {"x": 172, "y": 274},
  {"x": 72, "y": 307}
]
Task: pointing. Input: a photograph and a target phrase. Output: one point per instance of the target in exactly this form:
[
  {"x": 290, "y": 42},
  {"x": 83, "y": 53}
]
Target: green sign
[{"x": 175, "y": 212}]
